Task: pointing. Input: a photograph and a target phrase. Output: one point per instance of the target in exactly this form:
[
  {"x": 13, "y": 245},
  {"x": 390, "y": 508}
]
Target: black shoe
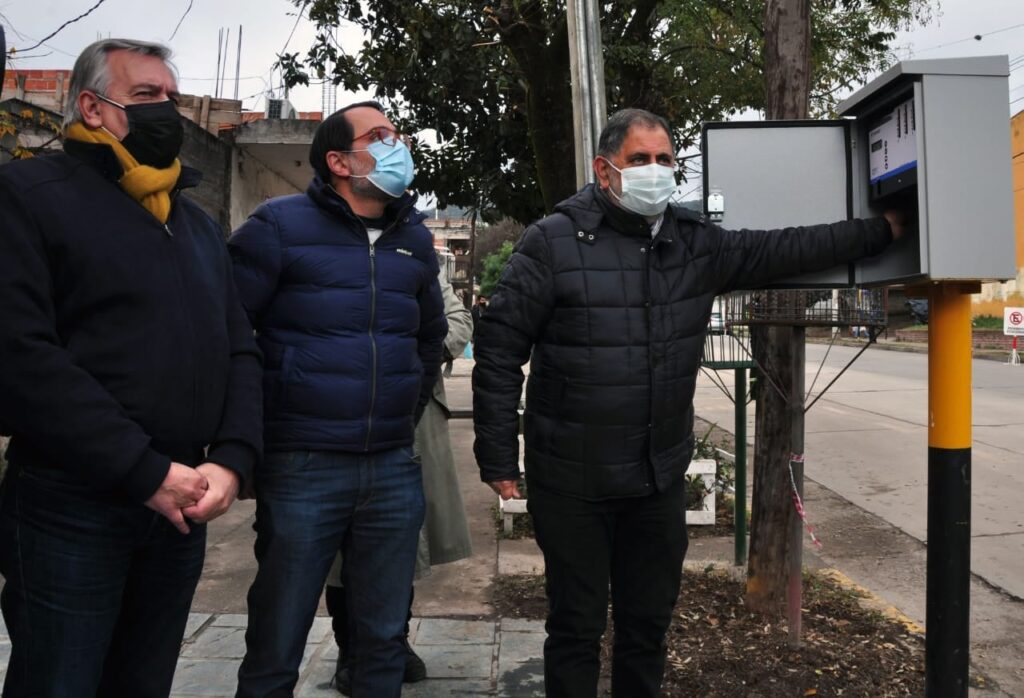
[
  {"x": 343, "y": 676},
  {"x": 415, "y": 669}
]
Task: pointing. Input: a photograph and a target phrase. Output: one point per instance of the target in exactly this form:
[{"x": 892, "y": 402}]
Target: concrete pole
[
  {"x": 948, "y": 585},
  {"x": 794, "y": 592},
  {"x": 740, "y": 501},
  {"x": 586, "y": 64}
]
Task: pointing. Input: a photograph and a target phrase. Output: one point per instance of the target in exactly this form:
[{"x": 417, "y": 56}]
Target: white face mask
[{"x": 647, "y": 189}]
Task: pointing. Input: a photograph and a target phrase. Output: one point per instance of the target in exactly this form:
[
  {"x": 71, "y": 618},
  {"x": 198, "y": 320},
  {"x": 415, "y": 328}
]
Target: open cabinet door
[{"x": 775, "y": 174}]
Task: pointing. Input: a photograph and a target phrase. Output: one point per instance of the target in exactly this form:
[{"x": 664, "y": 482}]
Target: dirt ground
[{"x": 716, "y": 647}]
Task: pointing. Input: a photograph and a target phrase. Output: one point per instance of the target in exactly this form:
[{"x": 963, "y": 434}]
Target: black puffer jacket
[{"x": 615, "y": 323}]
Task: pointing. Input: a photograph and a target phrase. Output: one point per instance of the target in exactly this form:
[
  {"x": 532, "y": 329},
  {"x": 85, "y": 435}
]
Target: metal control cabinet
[{"x": 928, "y": 136}]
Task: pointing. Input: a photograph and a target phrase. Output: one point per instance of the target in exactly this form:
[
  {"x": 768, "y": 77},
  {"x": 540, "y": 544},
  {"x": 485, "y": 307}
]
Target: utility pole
[
  {"x": 775, "y": 560},
  {"x": 586, "y": 64},
  {"x": 948, "y": 585}
]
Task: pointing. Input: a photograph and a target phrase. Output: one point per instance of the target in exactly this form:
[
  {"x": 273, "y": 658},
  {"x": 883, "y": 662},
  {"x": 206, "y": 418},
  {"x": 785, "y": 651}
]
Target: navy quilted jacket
[{"x": 352, "y": 333}]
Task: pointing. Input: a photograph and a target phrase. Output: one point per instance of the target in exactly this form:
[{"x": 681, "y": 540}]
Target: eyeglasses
[{"x": 387, "y": 136}]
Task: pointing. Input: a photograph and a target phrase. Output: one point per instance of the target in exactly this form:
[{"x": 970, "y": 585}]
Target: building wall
[
  {"x": 253, "y": 183},
  {"x": 234, "y": 183},
  {"x": 997, "y": 296},
  {"x": 211, "y": 156},
  {"x": 44, "y": 88}
]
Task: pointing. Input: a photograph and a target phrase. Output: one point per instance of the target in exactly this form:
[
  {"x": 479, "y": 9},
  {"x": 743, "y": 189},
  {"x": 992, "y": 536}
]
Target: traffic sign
[{"x": 1013, "y": 321}]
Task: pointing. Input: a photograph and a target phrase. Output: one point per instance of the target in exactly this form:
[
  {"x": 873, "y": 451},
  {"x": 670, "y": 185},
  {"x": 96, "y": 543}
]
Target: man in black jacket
[
  {"x": 609, "y": 300},
  {"x": 130, "y": 381}
]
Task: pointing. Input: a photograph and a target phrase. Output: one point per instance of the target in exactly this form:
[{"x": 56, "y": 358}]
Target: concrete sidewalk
[{"x": 463, "y": 657}]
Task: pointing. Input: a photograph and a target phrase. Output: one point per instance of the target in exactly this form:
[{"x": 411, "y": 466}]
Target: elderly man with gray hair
[{"x": 130, "y": 383}]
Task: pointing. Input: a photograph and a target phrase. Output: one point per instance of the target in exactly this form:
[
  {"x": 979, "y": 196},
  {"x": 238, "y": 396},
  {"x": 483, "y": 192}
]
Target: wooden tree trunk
[
  {"x": 787, "y": 59},
  {"x": 787, "y": 92}
]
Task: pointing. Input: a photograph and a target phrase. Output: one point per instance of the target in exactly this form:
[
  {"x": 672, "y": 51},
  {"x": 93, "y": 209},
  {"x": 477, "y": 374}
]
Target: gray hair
[
  {"x": 619, "y": 123},
  {"x": 91, "y": 73}
]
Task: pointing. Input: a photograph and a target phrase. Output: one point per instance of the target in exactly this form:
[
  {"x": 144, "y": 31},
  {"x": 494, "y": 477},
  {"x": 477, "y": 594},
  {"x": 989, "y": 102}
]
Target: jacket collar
[
  {"x": 591, "y": 207},
  {"x": 101, "y": 157},
  {"x": 327, "y": 198}
]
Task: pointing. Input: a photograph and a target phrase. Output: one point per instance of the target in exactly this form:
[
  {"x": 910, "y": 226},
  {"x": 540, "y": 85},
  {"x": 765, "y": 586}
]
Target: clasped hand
[
  {"x": 507, "y": 489},
  {"x": 201, "y": 494}
]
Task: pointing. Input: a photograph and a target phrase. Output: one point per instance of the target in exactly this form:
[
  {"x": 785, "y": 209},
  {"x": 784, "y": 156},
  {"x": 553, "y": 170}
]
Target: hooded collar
[
  {"x": 591, "y": 207},
  {"x": 327, "y": 198},
  {"x": 102, "y": 158}
]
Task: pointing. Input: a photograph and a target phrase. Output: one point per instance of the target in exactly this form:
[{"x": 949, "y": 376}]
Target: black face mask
[{"x": 155, "y": 133}]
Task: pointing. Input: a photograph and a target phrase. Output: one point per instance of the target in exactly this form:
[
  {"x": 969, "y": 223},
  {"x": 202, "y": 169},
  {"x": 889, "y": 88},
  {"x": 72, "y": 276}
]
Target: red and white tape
[{"x": 798, "y": 502}]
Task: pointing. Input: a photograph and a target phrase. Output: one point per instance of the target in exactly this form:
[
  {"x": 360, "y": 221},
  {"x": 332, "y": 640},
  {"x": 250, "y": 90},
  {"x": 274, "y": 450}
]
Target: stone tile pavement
[{"x": 463, "y": 657}]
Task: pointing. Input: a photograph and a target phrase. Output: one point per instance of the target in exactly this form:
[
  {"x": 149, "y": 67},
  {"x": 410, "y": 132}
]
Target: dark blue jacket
[
  {"x": 352, "y": 332},
  {"x": 123, "y": 344}
]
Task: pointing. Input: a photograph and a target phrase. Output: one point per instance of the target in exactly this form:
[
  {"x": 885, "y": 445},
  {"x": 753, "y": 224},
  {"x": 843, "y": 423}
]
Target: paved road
[{"x": 867, "y": 441}]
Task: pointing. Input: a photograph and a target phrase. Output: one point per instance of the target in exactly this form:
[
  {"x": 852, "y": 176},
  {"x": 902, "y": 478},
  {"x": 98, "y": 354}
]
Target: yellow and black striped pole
[{"x": 949, "y": 491}]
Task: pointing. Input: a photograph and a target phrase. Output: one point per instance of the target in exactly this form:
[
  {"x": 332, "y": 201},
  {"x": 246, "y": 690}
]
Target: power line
[
  {"x": 973, "y": 37},
  {"x": 49, "y": 46},
  {"x": 178, "y": 25},
  {"x": 70, "y": 21},
  {"x": 302, "y": 11},
  {"x": 14, "y": 59},
  {"x": 247, "y": 77}
]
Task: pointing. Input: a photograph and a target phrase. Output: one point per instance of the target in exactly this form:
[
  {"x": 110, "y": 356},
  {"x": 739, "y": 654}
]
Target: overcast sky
[{"x": 268, "y": 24}]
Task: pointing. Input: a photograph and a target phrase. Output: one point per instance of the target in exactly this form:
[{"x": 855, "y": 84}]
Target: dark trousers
[
  {"x": 96, "y": 593},
  {"x": 636, "y": 544},
  {"x": 310, "y": 504}
]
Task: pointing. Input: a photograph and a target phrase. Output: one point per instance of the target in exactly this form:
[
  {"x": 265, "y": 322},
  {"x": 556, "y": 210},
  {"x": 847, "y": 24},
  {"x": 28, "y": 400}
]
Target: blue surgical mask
[
  {"x": 394, "y": 169},
  {"x": 646, "y": 189}
]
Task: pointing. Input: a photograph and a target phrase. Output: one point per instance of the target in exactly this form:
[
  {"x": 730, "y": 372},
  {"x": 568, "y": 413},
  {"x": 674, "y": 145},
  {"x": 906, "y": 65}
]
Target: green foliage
[
  {"x": 987, "y": 322},
  {"x": 725, "y": 472},
  {"x": 489, "y": 239},
  {"x": 494, "y": 265},
  {"x": 492, "y": 80}
]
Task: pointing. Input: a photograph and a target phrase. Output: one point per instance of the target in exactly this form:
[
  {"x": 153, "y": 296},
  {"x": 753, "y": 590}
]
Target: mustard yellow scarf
[{"x": 150, "y": 186}]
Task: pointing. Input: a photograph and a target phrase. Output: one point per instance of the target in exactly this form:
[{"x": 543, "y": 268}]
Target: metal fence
[{"x": 727, "y": 344}]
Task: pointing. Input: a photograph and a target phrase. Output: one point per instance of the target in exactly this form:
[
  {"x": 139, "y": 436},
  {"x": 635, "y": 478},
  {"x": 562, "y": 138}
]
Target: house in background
[
  {"x": 995, "y": 297},
  {"x": 245, "y": 157}
]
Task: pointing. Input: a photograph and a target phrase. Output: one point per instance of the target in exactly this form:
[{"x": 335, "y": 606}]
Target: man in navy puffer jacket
[{"x": 341, "y": 286}]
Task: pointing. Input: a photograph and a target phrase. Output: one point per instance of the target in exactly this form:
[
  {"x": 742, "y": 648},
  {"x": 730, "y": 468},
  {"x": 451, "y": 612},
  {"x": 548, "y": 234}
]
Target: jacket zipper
[
  {"x": 373, "y": 345},
  {"x": 373, "y": 338},
  {"x": 646, "y": 251}
]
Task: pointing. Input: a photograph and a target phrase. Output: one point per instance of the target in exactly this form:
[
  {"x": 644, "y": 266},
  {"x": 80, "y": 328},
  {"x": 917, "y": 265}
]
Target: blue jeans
[
  {"x": 310, "y": 504},
  {"x": 97, "y": 591}
]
